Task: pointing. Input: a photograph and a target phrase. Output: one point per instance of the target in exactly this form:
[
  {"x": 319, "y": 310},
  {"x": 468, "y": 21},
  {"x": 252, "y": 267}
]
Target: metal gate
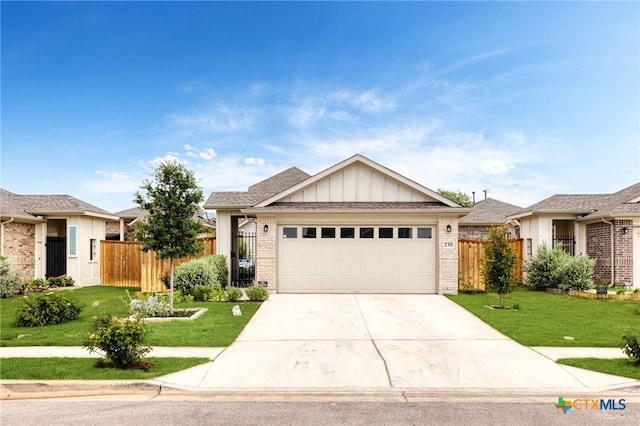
[
  {"x": 56, "y": 256},
  {"x": 566, "y": 243},
  {"x": 243, "y": 255}
]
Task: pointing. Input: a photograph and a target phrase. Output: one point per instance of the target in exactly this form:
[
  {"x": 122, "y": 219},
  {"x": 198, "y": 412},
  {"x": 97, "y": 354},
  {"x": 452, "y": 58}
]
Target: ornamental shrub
[
  {"x": 631, "y": 348},
  {"x": 202, "y": 293},
  {"x": 197, "y": 272},
  {"x": 256, "y": 294},
  {"x": 9, "y": 279},
  {"x": 555, "y": 268},
  {"x": 576, "y": 273},
  {"x": 61, "y": 281},
  {"x": 220, "y": 269},
  {"x": 120, "y": 341},
  {"x": 151, "y": 305},
  {"x": 52, "y": 307},
  {"x": 233, "y": 294},
  {"x": 542, "y": 269}
]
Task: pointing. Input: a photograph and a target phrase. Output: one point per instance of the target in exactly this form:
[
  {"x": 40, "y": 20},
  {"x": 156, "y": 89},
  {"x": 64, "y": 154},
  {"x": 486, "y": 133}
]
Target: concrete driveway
[{"x": 379, "y": 342}]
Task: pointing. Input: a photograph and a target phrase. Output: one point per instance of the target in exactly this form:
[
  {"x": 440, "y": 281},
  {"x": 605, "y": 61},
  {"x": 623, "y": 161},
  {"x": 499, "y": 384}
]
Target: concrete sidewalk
[{"x": 372, "y": 343}]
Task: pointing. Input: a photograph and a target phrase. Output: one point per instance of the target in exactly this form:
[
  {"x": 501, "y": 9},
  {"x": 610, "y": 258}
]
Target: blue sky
[{"x": 523, "y": 99}]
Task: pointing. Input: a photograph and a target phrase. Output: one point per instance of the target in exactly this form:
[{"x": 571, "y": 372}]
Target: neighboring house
[
  {"x": 122, "y": 229},
  {"x": 484, "y": 215},
  {"x": 52, "y": 235},
  {"x": 604, "y": 227},
  {"x": 356, "y": 227}
]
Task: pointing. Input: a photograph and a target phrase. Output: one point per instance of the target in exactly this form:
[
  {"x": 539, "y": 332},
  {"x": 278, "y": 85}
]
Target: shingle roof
[
  {"x": 589, "y": 206},
  {"x": 258, "y": 192},
  {"x": 36, "y": 205},
  {"x": 279, "y": 182},
  {"x": 353, "y": 206},
  {"x": 131, "y": 213},
  {"x": 489, "y": 211}
]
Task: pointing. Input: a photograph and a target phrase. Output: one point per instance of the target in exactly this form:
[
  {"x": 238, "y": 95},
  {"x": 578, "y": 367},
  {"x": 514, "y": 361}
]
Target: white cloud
[
  {"x": 368, "y": 100},
  {"x": 111, "y": 182},
  {"x": 166, "y": 158},
  {"x": 495, "y": 167},
  {"x": 254, "y": 161},
  {"x": 207, "y": 153},
  {"x": 220, "y": 118}
]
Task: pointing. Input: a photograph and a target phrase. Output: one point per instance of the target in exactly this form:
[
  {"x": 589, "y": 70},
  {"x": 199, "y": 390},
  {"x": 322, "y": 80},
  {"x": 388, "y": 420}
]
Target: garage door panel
[{"x": 367, "y": 265}]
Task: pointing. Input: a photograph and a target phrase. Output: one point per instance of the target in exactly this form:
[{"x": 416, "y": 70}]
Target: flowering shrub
[
  {"x": 38, "y": 285},
  {"x": 61, "y": 281},
  {"x": 120, "y": 341},
  {"x": 631, "y": 348},
  {"x": 52, "y": 307}
]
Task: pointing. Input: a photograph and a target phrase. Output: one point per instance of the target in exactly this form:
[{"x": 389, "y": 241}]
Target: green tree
[
  {"x": 171, "y": 200},
  {"x": 456, "y": 196},
  {"x": 498, "y": 265}
]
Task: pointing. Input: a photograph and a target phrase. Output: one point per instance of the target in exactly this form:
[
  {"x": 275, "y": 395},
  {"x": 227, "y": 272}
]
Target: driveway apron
[{"x": 378, "y": 342}]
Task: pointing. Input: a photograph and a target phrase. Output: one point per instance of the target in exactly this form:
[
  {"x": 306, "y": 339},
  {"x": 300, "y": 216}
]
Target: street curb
[
  {"x": 24, "y": 390},
  {"x": 17, "y": 390}
]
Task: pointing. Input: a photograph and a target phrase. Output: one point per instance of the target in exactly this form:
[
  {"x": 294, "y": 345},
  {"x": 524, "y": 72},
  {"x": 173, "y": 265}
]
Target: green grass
[
  {"x": 216, "y": 328},
  {"x": 85, "y": 369},
  {"x": 544, "y": 319},
  {"x": 619, "y": 367}
]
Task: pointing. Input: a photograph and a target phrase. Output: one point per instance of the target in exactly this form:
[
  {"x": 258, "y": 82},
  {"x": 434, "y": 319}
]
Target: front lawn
[
  {"x": 545, "y": 319},
  {"x": 85, "y": 369},
  {"x": 216, "y": 328},
  {"x": 618, "y": 367}
]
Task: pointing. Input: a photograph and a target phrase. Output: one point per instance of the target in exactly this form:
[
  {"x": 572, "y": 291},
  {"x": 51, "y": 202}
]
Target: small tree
[
  {"x": 499, "y": 263},
  {"x": 456, "y": 196},
  {"x": 171, "y": 200}
]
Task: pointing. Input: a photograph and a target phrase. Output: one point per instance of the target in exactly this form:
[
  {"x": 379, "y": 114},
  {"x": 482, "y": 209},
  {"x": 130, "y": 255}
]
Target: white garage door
[{"x": 356, "y": 259}]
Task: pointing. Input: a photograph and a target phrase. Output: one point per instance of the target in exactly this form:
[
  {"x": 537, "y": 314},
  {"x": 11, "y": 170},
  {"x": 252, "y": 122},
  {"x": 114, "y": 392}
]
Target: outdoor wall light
[
  {"x": 448, "y": 228},
  {"x": 625, "y": 230},
  {"x": 266, "y": 228}
]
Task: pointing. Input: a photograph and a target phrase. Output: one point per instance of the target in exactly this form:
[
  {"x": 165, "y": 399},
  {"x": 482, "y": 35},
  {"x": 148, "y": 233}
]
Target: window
[
  {"x": 385, "y": 233},
  {"x": 289, "y": 232},
  {"x": 328, "y": 232},
  {"x": 347, "y": 233},
  {"x": 405, "y": 233},
  {"x": 366, "y": 232},
  {"x": 93, "y": 249},
  {"x": 529, "y": 248},
  {"x": 424, "y": 232},
  {"x": 308, "y": 232}
]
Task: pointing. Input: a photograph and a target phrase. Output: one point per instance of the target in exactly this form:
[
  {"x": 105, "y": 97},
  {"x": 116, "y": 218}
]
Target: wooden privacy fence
[
  {"x": 124, "y": 264},
  {"x": 470, "y": 256}
]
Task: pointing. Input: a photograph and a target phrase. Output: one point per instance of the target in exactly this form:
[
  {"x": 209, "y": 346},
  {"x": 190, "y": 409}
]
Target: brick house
[
  {"x": 485, "y": 214},
  {"x": 51, "y": 235},
  {"x": 356, "y": 227},
  {"x": 605, "y": 227}
]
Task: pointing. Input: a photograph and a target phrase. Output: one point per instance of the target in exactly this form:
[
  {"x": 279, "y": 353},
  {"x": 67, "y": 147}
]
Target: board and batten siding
[{"x": 357, "y": 183}]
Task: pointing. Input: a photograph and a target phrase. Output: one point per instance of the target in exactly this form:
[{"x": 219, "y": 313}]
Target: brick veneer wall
[
  {"x": 447, "y": 257},
  {"x": 20, "y": 248},
  {"x": 599, "y": 248},
  {"x": 474, "y": 232},
  {"x": 266, "y": 251},
  {"x": 113, "y": 227}
]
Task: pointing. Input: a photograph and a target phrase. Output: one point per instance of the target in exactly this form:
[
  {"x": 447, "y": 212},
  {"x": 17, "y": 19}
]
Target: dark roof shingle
[{"x": 489, "y": 211}]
